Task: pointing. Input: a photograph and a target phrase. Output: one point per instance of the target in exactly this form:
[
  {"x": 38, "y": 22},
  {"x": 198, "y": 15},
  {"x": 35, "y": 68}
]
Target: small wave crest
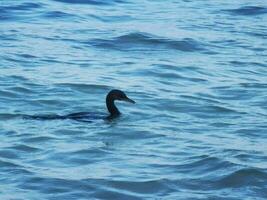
[
  {"x": 58, "y": 15},
  {"x": 91, "y": 2},
  {"x": 140, "y": 41},
  {"x": 244, "y": 177},
  {"x": 23, "y": 6},
  {"x": 12, "y": 12},
  {"x": 248, "y": 10}
]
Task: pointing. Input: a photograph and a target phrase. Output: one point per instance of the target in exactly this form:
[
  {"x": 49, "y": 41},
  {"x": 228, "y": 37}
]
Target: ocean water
[{"x": 196, "y": 69}]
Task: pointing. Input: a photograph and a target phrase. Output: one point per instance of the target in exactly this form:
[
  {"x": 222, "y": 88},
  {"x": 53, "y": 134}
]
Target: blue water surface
[{"x": 196, "y": 69}]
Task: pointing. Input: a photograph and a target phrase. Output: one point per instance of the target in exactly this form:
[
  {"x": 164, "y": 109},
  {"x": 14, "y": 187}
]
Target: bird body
[{"x": 114, "y": 112}]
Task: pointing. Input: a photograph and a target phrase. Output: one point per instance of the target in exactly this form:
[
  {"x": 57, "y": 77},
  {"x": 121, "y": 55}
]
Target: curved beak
[{"x": 128, "y": 100}]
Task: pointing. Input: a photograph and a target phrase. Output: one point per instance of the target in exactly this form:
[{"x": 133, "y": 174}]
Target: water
[{"x": 197, "y": 70}]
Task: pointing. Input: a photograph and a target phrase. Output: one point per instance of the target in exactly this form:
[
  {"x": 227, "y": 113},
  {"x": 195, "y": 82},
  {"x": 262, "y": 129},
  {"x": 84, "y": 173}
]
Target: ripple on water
[
  {"x": 246, "y": 177},
  {"x": 58, "y": 15},
  {"x": 25, "y": 148},
  {"x": 86, "y": 88},
  {"x": 92, "y": 2},
  {"x": 54, "y": 185},
  {"x": 248, "y": 10},
  {"x": 141, "y": 41},
  {"x": 39, "y": 139},
  {"x": 196, "y": 69},
  {"x": 201, "y": 166},
  {"x": 16, "y": 11},
  {"x": 22, "y": 90}
]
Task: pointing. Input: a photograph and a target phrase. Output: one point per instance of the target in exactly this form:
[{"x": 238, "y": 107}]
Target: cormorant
[{"x": 111, "y": 97}]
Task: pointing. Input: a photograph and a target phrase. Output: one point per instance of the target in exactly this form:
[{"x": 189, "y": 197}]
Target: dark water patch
[
  {"x": 18, "y": 59},
  {"x": 27, "y": 56},
  {"x": 68, "y": 132},
  {"x": 144, "y": 188},
  {"x": 199, "y": 98},
  {"x": 85, "y": 88},
  {"x": 194, "y": 71},
  {"x": 92, "y": 2},
  {"x": 33, "y": 85},
  {"x": 72, "y": 195},
  {"x": 126, "y": 135},
  {"x": 247, "y": 10},
  {"x": 23, "y": 6},
  {"x": 209, "y": 114},
  {"x": 255, "y": 86},
  {"x": 19, "y": 172},
  {"x": 53, "y": 60},
  {"x": 54, "y": 185},
  {"x": 80, "y": 157},
  {"x": 230, "y": 43},
  {"x": 260, "y": 34},
  {"x": 205, "y": 111},
  {"x": 253, "y": 157},
  {"x": 9, "y": 134},
  {"x": 247, "y": 157},
  {"x": 9, "y": 37},
  {"x": 14, "y": 12},
  {"x": 17, "y": 78},
  {"x": 163, "y": 74},
  {"x": 244, "y": 178},
  {"x": 251, "y": 132},
  {"x": 112, "y": 19},
  {"x": 14, "y": 169},
  {"x": 21, "y": 90},
  {"x": 8, "y": 164},
  {"x": 111, "y": 194},
  {"x": 200, "y": 166},
  {"x": 171, "y": 68},
  {"x": 260, "y": 50},
  {"x": 70, "y": 161},
  {"x": 50, "y": 102},
  {"x": 248, "y": 64},
  {"x": 25, "y": 148},
  {"x": 39, "y": 139},
  {"x": 222, "y": 124},
  {"x": 58, "y": 15},
  {"x": 89, "y": 152},
  {"x": 139, "y": 41},
  {"x": 223, "y": 109},
  {"x": 232, "y": 93},
  {"x": 8, "y": 94},
  {"x": 5, "y": 15},
  {"x": 8, "y": 154}
]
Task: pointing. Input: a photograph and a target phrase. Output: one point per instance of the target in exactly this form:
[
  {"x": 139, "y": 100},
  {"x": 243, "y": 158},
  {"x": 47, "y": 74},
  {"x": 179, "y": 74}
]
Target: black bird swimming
[
  {"x": 114, "y": 112},
  {"x": 111, "y": 97}
]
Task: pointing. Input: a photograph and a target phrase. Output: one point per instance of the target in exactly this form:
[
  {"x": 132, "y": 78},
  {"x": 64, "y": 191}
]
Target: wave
[
  {"x": 25, "y": 148},
  {"x": 92, "y": 2},
  {"x": 243, "y": 178},
  {"x": 11, "y": 12},
  {"x": 23, "y": 6},
  {"x": 139, "y": 41},
  {"x": 138, "y": 189},
  {"x": 59, "y": 14},
  {"x": 247, "y": 10},
  {"x": 99, "y": 188},
  {"x": 83, "y": 87}
]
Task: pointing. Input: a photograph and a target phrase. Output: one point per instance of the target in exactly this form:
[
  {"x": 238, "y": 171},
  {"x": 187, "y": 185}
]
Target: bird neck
[{"x": 113, "y": 110}]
